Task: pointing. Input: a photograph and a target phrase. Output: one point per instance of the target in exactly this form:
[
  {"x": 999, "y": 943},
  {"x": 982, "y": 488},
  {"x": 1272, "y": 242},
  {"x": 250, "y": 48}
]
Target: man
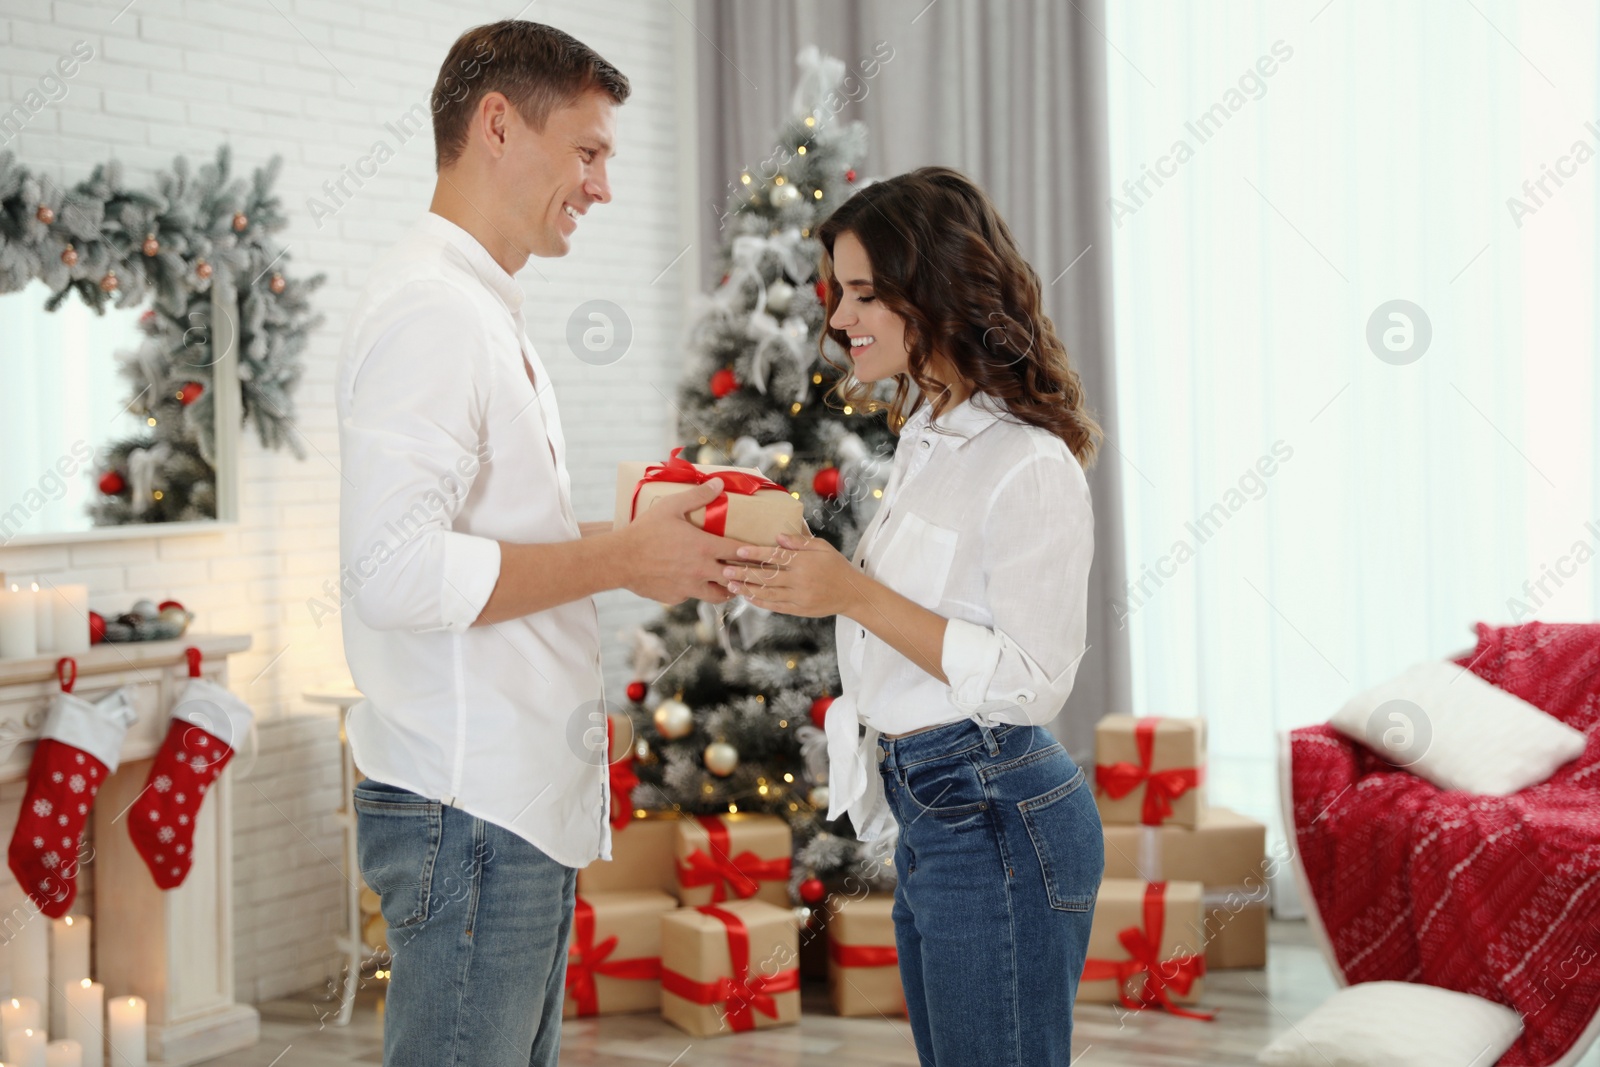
[{"x": 473, "y": 635}]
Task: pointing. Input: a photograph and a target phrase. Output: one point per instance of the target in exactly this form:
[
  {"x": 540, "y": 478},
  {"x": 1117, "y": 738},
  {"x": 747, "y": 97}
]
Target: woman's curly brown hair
[{"x": 944, "y": 261}]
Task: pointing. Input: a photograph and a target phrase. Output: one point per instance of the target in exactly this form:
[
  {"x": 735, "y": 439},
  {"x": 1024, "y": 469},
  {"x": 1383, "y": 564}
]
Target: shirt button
[
  {"x": 1022, "y": 698},
  {"x": 923, "y": 443},
  {"x": 882, "y": 753},
  {"x": 863, "y": 633}
]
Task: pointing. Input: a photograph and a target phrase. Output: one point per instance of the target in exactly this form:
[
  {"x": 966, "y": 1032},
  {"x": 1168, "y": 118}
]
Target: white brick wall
[{"x": 316, "y": 82}]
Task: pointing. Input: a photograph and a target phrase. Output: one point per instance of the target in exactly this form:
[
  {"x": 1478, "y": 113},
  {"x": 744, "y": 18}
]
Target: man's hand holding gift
[{"x": 684, "y": 521}]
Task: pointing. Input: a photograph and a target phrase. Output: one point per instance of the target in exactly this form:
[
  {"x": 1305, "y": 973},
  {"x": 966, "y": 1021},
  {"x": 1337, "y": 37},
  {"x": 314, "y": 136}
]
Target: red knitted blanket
[{"x": 1494, "y": 896}]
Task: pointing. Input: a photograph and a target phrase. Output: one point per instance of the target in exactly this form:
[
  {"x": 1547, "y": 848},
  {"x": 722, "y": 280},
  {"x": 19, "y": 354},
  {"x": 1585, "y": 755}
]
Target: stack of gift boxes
[
  {"x": 1185, "y": 883},
  {"x": 691, "y": 917}
]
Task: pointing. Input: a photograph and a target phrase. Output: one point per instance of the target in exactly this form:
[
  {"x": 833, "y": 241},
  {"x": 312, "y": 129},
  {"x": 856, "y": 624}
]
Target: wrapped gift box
[
  {"x": 729, "y": 967},
  {"x": 1143, "y": 951},
  {"x": 751, "y": 508},
  {"x": 863, "y": 965},
  {"x": 1149, "y": 770},
  {"x": 733, "y": 857},
  {"x": 643, "y": 856},
  {"x": 1226, "y": 853},
  {"x": 614, "y": 953}
]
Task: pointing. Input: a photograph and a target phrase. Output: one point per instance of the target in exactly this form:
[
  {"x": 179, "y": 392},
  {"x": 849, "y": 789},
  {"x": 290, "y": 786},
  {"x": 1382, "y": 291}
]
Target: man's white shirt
[
  {"x": 447, "y": 448},
  {"x": 988, "y": 522}
]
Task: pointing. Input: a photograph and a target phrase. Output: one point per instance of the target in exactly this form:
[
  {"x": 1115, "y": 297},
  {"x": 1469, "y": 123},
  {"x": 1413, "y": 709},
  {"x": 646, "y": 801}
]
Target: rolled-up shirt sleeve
[
  {"x": 411, "y": 439},
  {"x": 1038, "y": 543}
]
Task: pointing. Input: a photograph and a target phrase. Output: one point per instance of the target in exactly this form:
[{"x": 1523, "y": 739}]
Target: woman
[{"x": 961, "y": 618}]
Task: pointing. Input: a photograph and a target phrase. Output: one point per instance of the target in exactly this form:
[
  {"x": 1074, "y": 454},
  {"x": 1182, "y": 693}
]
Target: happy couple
[{"x": 960, "y": 620}]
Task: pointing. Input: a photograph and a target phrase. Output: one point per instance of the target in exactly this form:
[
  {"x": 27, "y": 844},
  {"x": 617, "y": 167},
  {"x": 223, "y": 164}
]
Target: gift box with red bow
[
  {"x": 1150, "y": 770},
  {"x": 733, "y": 857},
  {"x": 863, "y": 965},
  {"x": 1226, "y": 853},
  {"x": 1143, "y": 952},
  {"x": 728, "y": 968},
  {"x": 750, "y": 508},
  {"x": 614, "y": 953},
  {"x": 643, "y": 856}
]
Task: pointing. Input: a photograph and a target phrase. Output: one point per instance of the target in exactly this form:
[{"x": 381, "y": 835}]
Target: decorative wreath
[{"x": 168, "y": 246}]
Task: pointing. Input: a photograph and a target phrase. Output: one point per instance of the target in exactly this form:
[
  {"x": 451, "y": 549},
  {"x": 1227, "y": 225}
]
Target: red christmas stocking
[
  {"x": 208, "y": 722},
  {"x": 77, "y": 751}
]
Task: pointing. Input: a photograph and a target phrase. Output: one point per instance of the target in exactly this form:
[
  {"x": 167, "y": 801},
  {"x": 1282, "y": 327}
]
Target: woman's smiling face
[{"x": 877, "y": 335}]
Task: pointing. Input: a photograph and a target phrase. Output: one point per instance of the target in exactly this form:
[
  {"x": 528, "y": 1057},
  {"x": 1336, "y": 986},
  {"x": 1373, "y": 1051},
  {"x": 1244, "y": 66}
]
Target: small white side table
[{"x": 351, "y": 944}]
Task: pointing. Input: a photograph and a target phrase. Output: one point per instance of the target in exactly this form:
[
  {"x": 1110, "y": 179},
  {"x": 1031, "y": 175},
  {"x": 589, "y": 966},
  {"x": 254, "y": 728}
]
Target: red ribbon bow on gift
[
  {"x": 623, "y": 782},
  {"x": 721, "y": 872},
  {"x": 585, "y": 959},
  {"x": 1144, "y": 946},
  {"x": 742, "y": 991},
  {"x": 1161, "y": 787},
  {"x": 681, "y": 470},
  {"x": 862, "y": 955}
]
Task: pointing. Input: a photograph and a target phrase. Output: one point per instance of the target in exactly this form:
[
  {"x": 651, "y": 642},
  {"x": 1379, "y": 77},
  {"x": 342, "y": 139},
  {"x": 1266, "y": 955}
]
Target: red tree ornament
[
  {"x": 819, "y": 711},
  {"x": 190, "y": 392},
  {"x": 97, "y": 628},
  {"x": 723, "y": 382},
  {"x": 812, "y": 891},
  {"x": 822, "y": 292},
  {"x": 850, "y": 175},
  {"x": 111, "y": 483},
  {"x": 636, "y": 691},
  {"x": 826, "y": 483}
]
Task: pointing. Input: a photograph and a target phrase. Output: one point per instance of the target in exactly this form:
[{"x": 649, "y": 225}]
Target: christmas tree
[
  {"x": 729, "y": 700},
  {"x": 107, "y": 242}
]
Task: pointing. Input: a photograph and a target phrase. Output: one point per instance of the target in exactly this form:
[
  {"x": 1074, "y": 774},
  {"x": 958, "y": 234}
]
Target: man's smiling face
[{"x": 559, "y": 172}]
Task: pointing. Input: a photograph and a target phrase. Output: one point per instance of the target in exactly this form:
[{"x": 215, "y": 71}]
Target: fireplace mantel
[{"x": 174, "y": 947}]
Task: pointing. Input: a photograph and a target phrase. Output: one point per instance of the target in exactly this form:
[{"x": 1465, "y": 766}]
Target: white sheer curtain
[{"x": 1370, "y": 157}]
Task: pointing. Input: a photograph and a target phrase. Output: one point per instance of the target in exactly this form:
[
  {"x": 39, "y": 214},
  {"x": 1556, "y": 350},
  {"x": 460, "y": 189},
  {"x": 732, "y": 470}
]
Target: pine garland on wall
[{"x": 115, "y": 245}]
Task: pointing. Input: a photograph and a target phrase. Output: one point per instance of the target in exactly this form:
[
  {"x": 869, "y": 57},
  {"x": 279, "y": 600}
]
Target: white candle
[
  {"x": 125, "y": 1027},
  {"x": 25, "y": 1047},
  {"x": 86, "y": 1012},
  {"x": 18, "y": 633},
  {"x": 69, "y": 964},
  {"x": 64, "y": 1053},
  {"x": 18, "y": 1013},
  {"x": 71, "y": 637},
  {"x": 30, "y": 960},
  {"x": 44, "y": 620}
]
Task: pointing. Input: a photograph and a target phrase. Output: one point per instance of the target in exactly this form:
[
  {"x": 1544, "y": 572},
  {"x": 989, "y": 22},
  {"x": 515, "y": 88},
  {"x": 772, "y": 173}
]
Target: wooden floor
[{"x": 1252, "y": 1006}]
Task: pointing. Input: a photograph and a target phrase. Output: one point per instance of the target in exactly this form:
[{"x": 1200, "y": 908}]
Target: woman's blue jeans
[
  {"x": 999, "y": 860},
  {"x": 478, "y": 923}
]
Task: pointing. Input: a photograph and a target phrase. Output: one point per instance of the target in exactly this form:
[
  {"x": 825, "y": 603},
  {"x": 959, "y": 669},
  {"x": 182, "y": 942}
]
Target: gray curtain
[{"x": 1011, "y": 94}]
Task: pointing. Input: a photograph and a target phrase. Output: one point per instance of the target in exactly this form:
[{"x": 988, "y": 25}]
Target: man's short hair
[{"x": 539, "y": 68}]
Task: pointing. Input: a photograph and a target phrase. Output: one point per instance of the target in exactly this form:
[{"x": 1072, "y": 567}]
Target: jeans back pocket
[
  {"x": 397, "y": 847},
  {"x": 1070, "y": 844}
]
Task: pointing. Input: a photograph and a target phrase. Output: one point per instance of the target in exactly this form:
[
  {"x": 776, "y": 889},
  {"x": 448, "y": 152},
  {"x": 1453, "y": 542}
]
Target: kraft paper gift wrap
[
  {"x": 1162, "y": 938},
  {"x": 863, "y": 964},
  {"x": 729, "y": 967},
  {"x": 756, "y": 518},
  {"x": 1226, "y": 853},
  {"x": 614, "y": 953},
  {"x": 1150, "y": 770},
  {"x": 734, "y": 857},
  {"x": 643, "y": 856}
]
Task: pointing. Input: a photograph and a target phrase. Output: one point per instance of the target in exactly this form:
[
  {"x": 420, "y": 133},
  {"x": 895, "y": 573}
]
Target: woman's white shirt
[{"x": 987, "y": 521}]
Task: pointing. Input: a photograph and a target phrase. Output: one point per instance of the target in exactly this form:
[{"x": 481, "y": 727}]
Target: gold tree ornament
[
  {"x": 151, "y": 246},
  {"x": 46, "y": 214},
  {"x": 240, "y": 221},
  {"x": 203, "y": 269},
  {"x": 277, "y": 284},
  {"x": 70, "y": 256},
  {"x": 109, "y": 283}
]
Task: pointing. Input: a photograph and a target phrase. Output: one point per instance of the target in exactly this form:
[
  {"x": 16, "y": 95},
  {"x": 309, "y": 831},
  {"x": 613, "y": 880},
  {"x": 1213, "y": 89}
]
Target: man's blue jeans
[
  {"x": 999, "y": 861},
  {"x": 478, "y": 923}
]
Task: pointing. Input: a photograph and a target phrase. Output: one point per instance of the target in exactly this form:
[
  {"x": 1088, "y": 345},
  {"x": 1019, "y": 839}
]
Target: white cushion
[
  {"x": 1456, "y": 730},
  {"x": 1397, "y": 1024}
]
